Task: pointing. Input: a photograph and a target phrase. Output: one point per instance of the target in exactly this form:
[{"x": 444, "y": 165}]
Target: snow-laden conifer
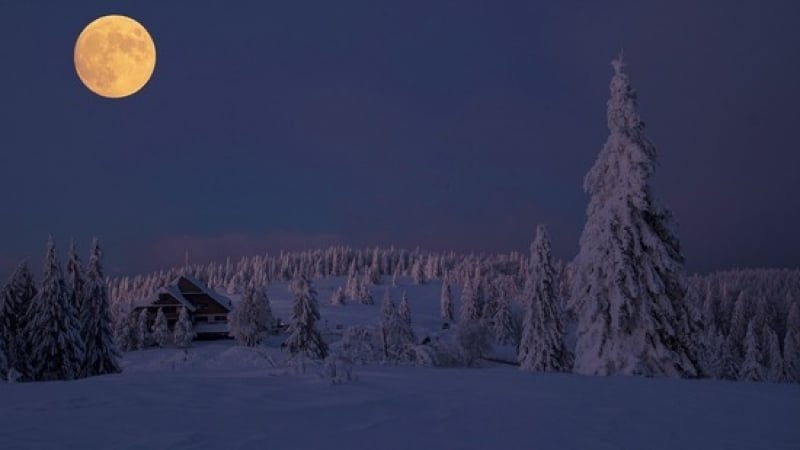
[
  {"x": 446, "y": 302},
  {"x": 143, "y": 329},
  {"x": 752, "y": 369},
  {"x": 404, "y": 310},
  {"x": 629, "y": 286},
  {"x": 252, "y": 319},
  {"x": 183, "y": 332},
  {"x": 304, "y": 337},
  {"x": 56, "y": 347},
  {"x": 505, "y": 328},
  {"x": 161, "y": 334},
  {"x": 542, "y": 346},
  {"x": 15, "y": 299},
  {"x": 101, "y": 355},
  {"x": 338, "y": 297},
  {"x": 775, "y": 369},
  {"x": 791, "y": 345}
]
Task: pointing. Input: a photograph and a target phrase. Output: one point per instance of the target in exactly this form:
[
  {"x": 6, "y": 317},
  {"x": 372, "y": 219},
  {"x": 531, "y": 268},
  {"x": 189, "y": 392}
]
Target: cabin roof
[{"x": 174, "y": 291}]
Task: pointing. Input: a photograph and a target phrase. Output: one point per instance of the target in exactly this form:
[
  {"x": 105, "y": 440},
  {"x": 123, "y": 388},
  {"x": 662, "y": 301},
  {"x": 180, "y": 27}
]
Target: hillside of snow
[{"x": 222, "y": 396}]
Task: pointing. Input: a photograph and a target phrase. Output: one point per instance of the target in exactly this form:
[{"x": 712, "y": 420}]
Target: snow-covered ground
[{"x": 221, "y": 396}]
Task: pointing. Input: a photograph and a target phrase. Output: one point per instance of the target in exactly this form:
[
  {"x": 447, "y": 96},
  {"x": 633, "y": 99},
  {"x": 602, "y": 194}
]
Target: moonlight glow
[{"x": 115, "y": 56}]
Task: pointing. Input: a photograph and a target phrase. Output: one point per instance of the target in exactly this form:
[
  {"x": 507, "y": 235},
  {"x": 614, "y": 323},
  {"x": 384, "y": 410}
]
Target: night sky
[{"x": 440, "y": 124}]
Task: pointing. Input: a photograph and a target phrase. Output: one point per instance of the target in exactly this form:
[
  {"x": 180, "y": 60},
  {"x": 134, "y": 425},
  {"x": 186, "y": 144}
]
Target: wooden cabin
[{"x": 207, "y": 309}]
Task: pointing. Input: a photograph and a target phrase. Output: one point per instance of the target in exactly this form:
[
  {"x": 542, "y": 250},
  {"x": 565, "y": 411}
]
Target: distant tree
[
  {"x": 505, "y": 328},
  {"x": 101, "y": 355},
  {"x": 775, "y": 368},
  {"x": 418, "y": 272},
  {"x": 473, "y": 337},
  {"x": 161, "y": 334},
  {"x": 183, "y": 334},
  {"x": 252, "y": 318},
  {"x": 338, "y": 297},
  {"x": 15, "y": 299},
  {"x": 629, "y": 287},
  {"x": 304, "y": 337},
  {"x": 363, "y": 294},
  {"x": 791, "y": 345},
  {"x": 143, "y": 329},
  {"x": 397, "y": 336},
  {"x": 713, "y": 347},
  {"x": 404, "y": 310},
  {"x": 56, "y": 348},
  {"x": 752, "y": 370},
  {"x": 75, "y": 284},
  {"x": 542, "y": 347},
  {"x": 446, "y": 303}
]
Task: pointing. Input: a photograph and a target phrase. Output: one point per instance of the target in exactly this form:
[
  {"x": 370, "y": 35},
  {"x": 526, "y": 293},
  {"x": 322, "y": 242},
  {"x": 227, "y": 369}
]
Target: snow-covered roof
[
  {"x": 224, "y": 301},
  {"x": 173, "y": 290}
]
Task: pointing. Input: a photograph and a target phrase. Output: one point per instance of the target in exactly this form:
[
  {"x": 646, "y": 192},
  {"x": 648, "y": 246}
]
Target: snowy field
[{"x": 221, "y": 396}]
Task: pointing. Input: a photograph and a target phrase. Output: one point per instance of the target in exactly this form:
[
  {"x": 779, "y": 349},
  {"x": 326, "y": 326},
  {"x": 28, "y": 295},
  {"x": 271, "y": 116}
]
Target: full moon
[{"x": 115, "y": 56}]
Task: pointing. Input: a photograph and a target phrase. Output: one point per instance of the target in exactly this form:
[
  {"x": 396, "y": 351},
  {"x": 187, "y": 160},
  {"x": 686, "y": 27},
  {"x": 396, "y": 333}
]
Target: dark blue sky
[{"x": 444, "y": 124}]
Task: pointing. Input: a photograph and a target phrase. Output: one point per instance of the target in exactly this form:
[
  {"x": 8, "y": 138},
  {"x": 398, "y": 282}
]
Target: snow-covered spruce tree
[
  {"x": 397, "y": 336},
  {"x": 775, "y": 371},
  {"x": 353, "y": 283},
  {"x": 161, "y": 334},
  {"x": 183, "y": 332},
  {"x": 629, "y": 285},
  {"x": 4, "y": 368},
  {"x": 363, "y": 294},
  {"x": 404, "y": 310},
  {"x": 791, "y": 345},
  {"x": 101, "y": 356},
  {"x": 56, "y": 347},
  {"x": 142, "y": 329},
  {"x": 446, "y": 302},
  {"x": 542, "y": 347},
  {"x": 505, "y": 328},
  {"x": 15, "y": 298},
  {"x": 418, "y": 272},
  {"x": 252, "y": 318},
  {"x": 752, "y": 370},
  {"x": 123, "y": 326},
  {"x": 473, "y": 337},
  {"x": 713, "y": 347},
  {"x": 338, "y": 297},
  {"x": 304, "y": 337},
  {"x": 74, "y": 281}
]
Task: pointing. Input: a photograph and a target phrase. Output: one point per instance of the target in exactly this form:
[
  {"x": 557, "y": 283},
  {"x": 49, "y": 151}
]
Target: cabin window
[
  {"x": 168, "y": 309},
  {"x": 201, "y": 319},
  {"x": 220, "y": 318}
]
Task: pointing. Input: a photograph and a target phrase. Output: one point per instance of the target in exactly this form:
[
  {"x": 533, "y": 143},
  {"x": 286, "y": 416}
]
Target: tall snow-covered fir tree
[
  {"x": 791, "y": 345},
  {"x": 542, "y": 346},
  {"x": 772, "y": 348},
  {"x": 160, "y": 332},
  {"x": 143, "y": 329},
  {"x": 101, "y": 356},
  {"x": 183, "y": 332},
  {"x": 397, "y": 336},
  {"x": 252, "y": 319},
  {"x": 752, "y": 370},
  {"x": 404, "y": 310},
  {"x": 629, "y": 286},
  {"x": 304, "y": 337},
  {"x": 75, "y": 281},
  {"x": 56, "y": 347},
  {"x": 446, "y": 302},
  {"x": 15, "y": 298}
]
